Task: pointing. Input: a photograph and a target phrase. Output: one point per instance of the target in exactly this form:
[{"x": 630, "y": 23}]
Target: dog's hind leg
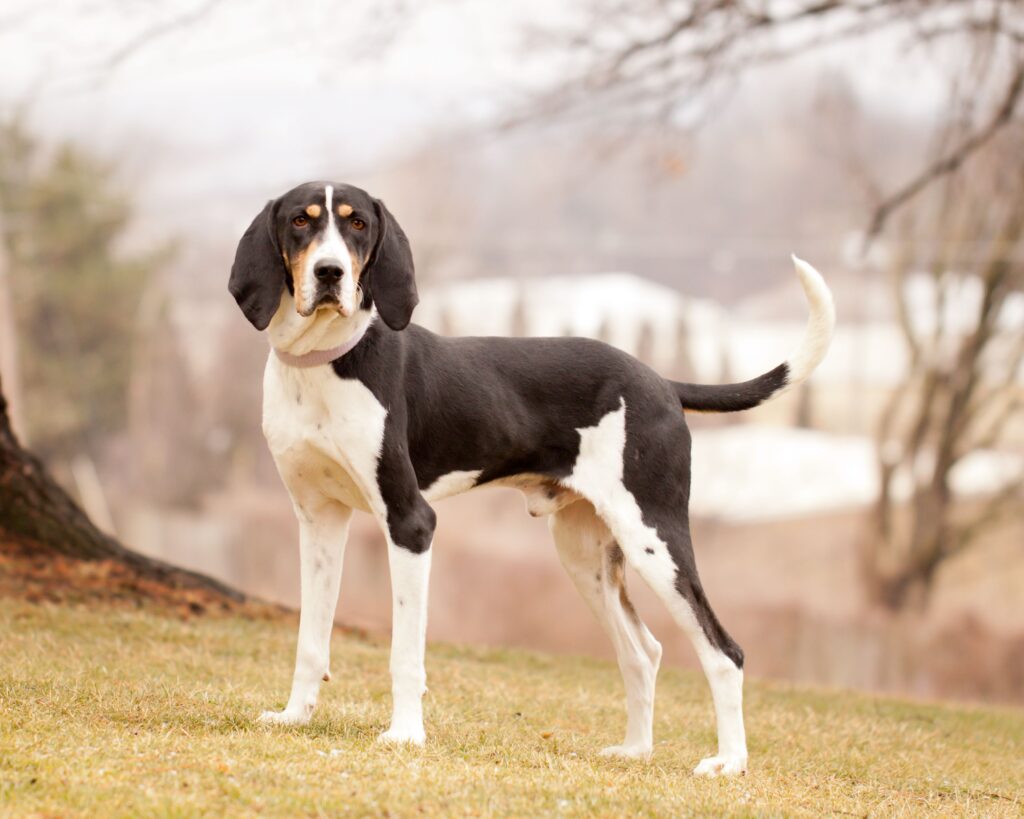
[
  {"x": 612, "y": 473},
  {"x": 720, "y": 657},
  {"x": 323, "y": 530},
  {"x": 668, "y": 568},
  {"x": 595, "y": 564},
  {"x": 722, "y": 661}
]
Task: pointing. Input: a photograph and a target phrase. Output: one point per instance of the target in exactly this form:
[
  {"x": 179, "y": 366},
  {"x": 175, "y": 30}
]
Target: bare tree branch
[
  {"x": 710, "y": 40},
  {"x": 994, "y": 27},
  {"x": 951, "y": 161}
]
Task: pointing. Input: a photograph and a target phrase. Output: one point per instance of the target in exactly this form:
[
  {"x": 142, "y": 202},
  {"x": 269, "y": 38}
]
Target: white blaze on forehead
[{"x": 331, "y": 246}]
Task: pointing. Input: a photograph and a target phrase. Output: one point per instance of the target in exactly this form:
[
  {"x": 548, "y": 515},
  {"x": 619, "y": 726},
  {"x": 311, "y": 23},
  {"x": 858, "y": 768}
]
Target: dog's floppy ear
[
  {"x": 392, "y": 277},
  {"x": 258, "y": 274}
]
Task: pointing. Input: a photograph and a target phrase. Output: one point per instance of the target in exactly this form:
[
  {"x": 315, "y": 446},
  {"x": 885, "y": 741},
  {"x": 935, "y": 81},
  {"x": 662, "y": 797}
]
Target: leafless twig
[{"x": 951, "y": 161}]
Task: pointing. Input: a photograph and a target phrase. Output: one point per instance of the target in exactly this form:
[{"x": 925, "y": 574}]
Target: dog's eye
[
  {"x": 300, "y": 221},
  {"x": 358, "y": 224}
]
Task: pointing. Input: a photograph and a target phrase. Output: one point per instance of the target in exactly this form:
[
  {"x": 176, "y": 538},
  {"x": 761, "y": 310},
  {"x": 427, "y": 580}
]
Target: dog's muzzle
[
  {"x": 328, "y": 272},
  {"x": 333, "y": 284}
]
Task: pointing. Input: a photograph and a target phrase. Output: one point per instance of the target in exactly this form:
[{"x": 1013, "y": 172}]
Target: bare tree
[
  {"x": 36, "y": 515},
  {"x": 658, "y": 61},
  {"x": 964, "y": 391}
]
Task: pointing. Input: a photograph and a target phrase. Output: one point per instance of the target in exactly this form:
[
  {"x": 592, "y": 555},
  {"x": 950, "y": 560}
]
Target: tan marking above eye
[
  {"x": 344, "y": 210},
  {"x": 313, "y": 211}
]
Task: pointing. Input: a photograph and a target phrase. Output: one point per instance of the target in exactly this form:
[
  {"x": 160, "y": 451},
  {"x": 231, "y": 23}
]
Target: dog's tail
[{"x": 799, "y": 365}]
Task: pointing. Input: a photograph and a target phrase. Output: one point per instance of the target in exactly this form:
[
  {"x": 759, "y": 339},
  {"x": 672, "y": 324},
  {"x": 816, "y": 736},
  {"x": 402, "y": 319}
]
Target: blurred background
[{"x": 632, "y": 171}]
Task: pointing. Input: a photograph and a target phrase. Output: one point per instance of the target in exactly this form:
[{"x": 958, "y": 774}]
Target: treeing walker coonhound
[{"x": 363, "y": 410}]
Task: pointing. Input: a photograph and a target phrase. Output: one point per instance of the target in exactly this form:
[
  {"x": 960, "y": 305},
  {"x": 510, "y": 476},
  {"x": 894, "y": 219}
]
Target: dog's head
[{"x": 334, "y": 247}]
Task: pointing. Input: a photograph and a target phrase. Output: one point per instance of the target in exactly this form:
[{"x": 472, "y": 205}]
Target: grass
[{"x": 112, "y": 712}]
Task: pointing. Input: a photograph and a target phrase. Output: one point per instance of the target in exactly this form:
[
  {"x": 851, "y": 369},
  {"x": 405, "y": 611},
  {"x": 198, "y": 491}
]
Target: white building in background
[
  {"x": 632, "y": 313},
  {"x": 719, "y": 342},
  {"x": 662, "y": 326}
]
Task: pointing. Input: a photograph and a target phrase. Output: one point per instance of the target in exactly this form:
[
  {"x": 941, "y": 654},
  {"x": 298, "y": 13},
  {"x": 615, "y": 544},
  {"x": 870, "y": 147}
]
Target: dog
[{"x": 363, "y": 410}]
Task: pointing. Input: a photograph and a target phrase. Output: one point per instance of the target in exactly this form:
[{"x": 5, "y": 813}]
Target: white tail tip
[{"x": 820, "y": 324}]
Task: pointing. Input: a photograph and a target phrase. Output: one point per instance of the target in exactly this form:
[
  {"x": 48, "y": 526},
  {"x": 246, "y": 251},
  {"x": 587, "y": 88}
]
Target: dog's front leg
[
  {"x": 323, "y": 531},
  {"x": 409, "y": 561}
]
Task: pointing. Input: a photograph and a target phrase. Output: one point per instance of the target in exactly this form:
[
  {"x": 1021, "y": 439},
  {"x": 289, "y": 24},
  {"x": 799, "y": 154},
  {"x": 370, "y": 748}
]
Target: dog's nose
[{"x": 328, "y": 270}]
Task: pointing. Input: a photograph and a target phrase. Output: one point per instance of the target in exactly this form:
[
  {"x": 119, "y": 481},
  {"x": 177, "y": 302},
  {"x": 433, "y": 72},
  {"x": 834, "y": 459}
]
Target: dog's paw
[
  {"x": 410, "y": 735},
  {"x": 286, "y": 717},
  {"x": 722, "y": 766},
  {"x": 627, "y": 751}
]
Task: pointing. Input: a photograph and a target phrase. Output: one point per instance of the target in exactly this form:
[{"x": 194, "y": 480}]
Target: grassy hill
[{"x": 112, "y": 711}]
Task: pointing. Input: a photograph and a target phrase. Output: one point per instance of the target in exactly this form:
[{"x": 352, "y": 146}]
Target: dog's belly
[{"x": 544, "y": 495}]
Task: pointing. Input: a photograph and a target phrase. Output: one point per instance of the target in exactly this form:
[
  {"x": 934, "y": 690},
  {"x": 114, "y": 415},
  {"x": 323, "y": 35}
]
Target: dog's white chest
[{"x": 325, "y": 434}]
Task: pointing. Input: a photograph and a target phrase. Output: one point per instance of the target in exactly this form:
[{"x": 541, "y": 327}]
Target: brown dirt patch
[{"x": 39, "y": 576}]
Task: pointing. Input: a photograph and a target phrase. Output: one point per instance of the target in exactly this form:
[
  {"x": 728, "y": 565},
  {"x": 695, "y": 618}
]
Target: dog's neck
[{"x": 304, "y": 340}]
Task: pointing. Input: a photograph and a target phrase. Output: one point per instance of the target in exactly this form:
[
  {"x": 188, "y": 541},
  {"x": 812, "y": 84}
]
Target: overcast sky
[
  {"x": 265, "y": 85},
  {"x": 255, "y": 94}
]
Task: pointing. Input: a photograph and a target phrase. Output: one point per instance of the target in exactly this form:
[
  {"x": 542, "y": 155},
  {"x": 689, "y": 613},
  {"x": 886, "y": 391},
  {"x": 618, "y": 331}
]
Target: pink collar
[{"x": 317, "y": 357}]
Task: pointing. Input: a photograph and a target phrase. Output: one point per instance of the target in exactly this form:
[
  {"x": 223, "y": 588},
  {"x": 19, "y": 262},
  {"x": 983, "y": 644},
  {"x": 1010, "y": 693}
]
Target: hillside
[{"x": 118, "y": 711}]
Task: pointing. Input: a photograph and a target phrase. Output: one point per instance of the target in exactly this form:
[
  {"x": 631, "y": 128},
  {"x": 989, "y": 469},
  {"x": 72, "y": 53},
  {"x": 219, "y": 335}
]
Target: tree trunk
[{"x": 40, "y": 516}]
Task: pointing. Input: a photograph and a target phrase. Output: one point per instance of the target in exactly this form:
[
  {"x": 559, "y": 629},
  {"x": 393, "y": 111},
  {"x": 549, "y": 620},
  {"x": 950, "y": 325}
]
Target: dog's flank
[{"x": 795, "y": 370}]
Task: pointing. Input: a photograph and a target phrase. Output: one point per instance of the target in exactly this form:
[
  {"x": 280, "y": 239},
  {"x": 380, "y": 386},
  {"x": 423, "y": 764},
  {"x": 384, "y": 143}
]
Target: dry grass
[{"x": 108, "y": 711}]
